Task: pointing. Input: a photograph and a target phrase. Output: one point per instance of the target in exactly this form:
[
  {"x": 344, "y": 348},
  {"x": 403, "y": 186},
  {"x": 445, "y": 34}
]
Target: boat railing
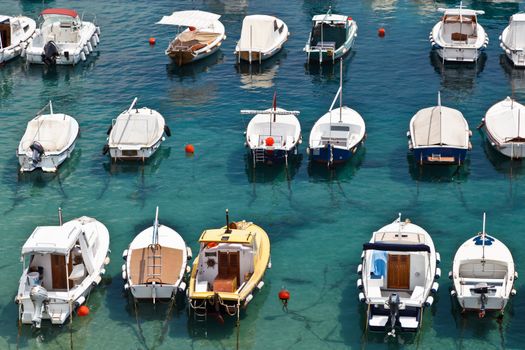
[{"x": 93, "y": 17}]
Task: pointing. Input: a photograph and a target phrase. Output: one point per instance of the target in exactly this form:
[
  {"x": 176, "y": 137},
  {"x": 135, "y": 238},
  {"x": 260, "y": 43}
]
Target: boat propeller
[
  {"x": 38, "y": 151},
  {"x": 50, "y": 54}
]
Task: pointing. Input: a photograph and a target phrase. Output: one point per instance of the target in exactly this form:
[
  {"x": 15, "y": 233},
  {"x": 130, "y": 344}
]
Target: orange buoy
[
  {"x": 192, "y": 29},
  {"x": 83, "y": 310},
  {"x": 284, "y": 295},
  {"x": 269, "y": 141},
  {"x": 381, "y": 32},
  {"x": 152, "y": 41},
  {"x": 189, "y": 148},
  {"x": 349, "y": 18}
]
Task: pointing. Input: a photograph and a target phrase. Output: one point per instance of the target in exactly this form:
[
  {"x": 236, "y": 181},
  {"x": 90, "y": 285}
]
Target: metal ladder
[
  {"x": 258, "y": 156},
  {"x": 156, "y": 263},
  {"x": 200, "y": 313}
]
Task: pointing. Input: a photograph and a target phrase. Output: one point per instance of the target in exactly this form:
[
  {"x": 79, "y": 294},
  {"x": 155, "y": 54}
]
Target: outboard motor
[
  {"x": 482, "y": 289},
  {"x": 393, "y": 304},
  {"x": 51, "y": 52},
  {"x": 38, "y": 152},
  {"x": 38, "y": 295}
]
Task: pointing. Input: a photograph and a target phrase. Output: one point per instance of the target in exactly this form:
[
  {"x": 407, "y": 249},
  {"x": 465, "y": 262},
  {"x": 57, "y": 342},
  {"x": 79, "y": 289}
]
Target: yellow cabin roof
[{"x": 220, "y": 236}]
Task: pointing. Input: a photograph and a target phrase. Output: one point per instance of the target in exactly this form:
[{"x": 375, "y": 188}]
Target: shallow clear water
[{"x": 317, "y": 220}]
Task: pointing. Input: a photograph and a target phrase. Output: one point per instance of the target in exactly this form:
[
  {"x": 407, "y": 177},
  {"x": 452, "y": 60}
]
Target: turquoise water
[{"x": 317, "y": 220}]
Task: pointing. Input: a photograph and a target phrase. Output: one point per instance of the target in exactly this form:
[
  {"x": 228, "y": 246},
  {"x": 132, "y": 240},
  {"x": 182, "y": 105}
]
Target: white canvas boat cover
[
  {"x": 201, "y": 37},
  {"x": 461, "y": 12},
  {"x": 52, "y": 131},
  {"x": 52, "y": 240},
  {"x": 439, "y": 126},
  {"x": 264, "y": 33},
  {"x": 515, "y": 38},
  {"x": 506, "y": 120},
  {"x": 197, "y": 19},
  {"x": 140, "y": 129}
]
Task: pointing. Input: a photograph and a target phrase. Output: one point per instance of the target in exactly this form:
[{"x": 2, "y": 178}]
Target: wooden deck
[{"x": 161, "y": 265}]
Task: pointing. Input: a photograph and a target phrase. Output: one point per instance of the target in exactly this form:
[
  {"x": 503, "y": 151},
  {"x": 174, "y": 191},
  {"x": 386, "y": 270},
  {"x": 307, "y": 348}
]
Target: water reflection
[
  {"x": 255, "y": 75},
  {"x": 150, "y": 167},
  {"x": 328, "y": 71},
  {"x": 438, "y": 173},
  {"x": 344, "y": 172},
  {"x": 502, "y": 164},
  {"x": 516, "y": 76},
  {"x": 383, "y": 5},
  {"x": 193, "y": 69},
  {"x": 263, "y": 173}
]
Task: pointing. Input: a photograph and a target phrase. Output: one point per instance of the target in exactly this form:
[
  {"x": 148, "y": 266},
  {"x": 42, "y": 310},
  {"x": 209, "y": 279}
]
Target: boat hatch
[
  {"x": 340, "y": 128},
  {"x": 219, "y": 236}
]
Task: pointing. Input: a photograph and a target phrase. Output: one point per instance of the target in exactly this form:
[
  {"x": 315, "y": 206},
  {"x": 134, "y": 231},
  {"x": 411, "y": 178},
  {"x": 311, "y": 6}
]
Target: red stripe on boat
[{"x": 58, "y": 11}]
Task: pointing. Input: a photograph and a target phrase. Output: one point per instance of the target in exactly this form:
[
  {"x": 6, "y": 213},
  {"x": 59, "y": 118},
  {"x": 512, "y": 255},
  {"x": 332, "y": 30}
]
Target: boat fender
[
  {"x": 362, "y": 297},
  {"x": 23, "y": 53},
  {"x": 408, "y": 134},
  {"x": 360, "y": 269},
  {"x": 102, "y": 271},
  {"x": 98, "y": 30},
  {"x": 513, "y": 292},
  {"x": 438, "y": 258},
  {"x": 453, "y": 293},
  {"x": 188, "y": 269},
  {"x": 307, "y": 151},
  {"x": 89, "y": 46},
  {"x": 435, "y": 287},
  {"x": 123, "y": 268},
  {"x": 515, "y": 275},
  {"x": 93, "y": 41},
  {"x": 80, "y": 301},
  {"x": 107, "y": 260},
  {"x": 260, "y": 285},
  {"x": 501, "y": 45},
  {"x": 126, "y": 286},
  {"x": 105, "y": 149},
  {"x": 507, "y": 51},
  {"x": 97, "y": 38},
  {"x": 429, "y": 301},
  {"x": 82, "y": 56},
  {"x": 450, "y": 275},
  {"x": 96, "y": 281},
  {"x": 182, "y": 287},
  {"x": 189, "y": 254},
  {"x": 125, "y": 254},
  {"x": 360, "y": 284},
  {"x": 85, "y": 50},
  {"x": 410, "y": 145},
  {"x": 438, "y": 273},
  {"x": 167, "y": 130},
  {"x": 124, "y": 275},
  {"x": 248, "y": 299}
]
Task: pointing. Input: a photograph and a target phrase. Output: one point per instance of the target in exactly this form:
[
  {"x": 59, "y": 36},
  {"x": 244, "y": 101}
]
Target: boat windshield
[{"x": 332, "y": 34}]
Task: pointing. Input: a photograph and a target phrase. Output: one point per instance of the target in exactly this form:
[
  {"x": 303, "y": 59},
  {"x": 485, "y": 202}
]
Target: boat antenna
[
  {"x": 228, "y": 230},
  {"x": 60, "y": 221},
  {"x": 50, "y": 107},
  {"x": 483, "y": 235},
  {"x": 399, "y": 226},
  {"x": 460, "y": 17},
  {"x": 341, "y": 90},
  {"x": 156, "y": 227}
]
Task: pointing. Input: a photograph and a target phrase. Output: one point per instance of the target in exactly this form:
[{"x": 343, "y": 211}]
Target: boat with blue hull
[{"x": 439, "y": 135}]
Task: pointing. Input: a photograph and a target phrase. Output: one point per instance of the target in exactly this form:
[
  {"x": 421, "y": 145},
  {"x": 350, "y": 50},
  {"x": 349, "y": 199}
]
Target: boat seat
[
  {"x": 409, "y": 322},
  {"x": 77, "y": 273},
  {"x": 378, "y": 321},
  {"x": 459, "y": 37},
  {"x": 374, "y": 292}
]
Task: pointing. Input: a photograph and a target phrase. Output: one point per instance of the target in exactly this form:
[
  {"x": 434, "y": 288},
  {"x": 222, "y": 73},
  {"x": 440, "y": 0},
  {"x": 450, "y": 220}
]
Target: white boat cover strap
[
  {"x": 197, "y": 19},
  {"x": 52, "y": 134},
  {"x": 439, "y": 126},
  {"x": 135, "y": 129},
  {"x": 259, "y": 33}
]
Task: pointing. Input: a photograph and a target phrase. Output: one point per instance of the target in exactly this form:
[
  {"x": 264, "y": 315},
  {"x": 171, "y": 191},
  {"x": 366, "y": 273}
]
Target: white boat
[
  {"x": 512, "y": 40},
  {"x": 483, "y": 274},
  {"x": 331, "y": 38},
  {"x": 458, "y": 36},
  {"x": 156, "y": 263},
  {"x": 61, "y": 265},
  {"x": 202, "y": 37},
  {"x": 15, "y": 35},
  {"x": 273, "y": 135},
  {"x": 398, "y": 273},
  {"x": 262, "y": 37},
  {"x": 136, "y": 134},
  {"x": 505, "y": 128},
  {"x": 63, "y": 38},
  {"x": 439, "y": 135},
  {"x": 337, "y": 135},
  {"x": 48, "y": 141}
]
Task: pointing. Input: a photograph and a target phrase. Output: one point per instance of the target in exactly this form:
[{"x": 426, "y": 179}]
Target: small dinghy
[
  {"x": 61, "y": 265},
  {"x": 202, "y": 37},
  {"x": 63, "y": 38},
  {"x": 483, "y": 274},
  {"x": 397, "y": 277},
  {"x": 156, "y": 263},
  {"x": 229, "y": 269},
  {"x": 505, "y": 128},
  {"x": 273, "y": 135},
  {"x": 136, "y": 134},
  {"x": 261, "y": 37},
  {"x": 331, "y": 38},
  {"x": 458, "y": 36},
  {"x": 337, "y": 135},
  {"x": 48, "y": 141},
  {"x": 512, "y": 40},
  {"x": 439, "y": 135},
  {"x": 15, "y": 35}
]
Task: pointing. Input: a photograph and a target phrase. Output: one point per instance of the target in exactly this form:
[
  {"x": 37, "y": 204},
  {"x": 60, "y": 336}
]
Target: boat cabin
[
  {"x": 460, "y": 25},
  {"x": 10, "y": 30},
  {"x": 5, "y": 32},
  {"x": 60, "y": 26},
  {"x": 226, "y": 260},
  {"x": 329, "y": 31}
]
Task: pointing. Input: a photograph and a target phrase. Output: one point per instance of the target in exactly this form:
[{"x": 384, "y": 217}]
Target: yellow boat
[{"x": 229, "y": 268}]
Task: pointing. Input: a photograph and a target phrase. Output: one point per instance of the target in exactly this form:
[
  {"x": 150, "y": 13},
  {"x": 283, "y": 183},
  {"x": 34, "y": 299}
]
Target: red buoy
[
  {"x": 284, "y": 295},
  {"x": 83, "y": 310},
  {"x": 192, "y": 29},
  {"x": 152, "y": 41},
  {"x": 269, "y": 141},
  {"x": 349, "y": 18},
  {"x": 381, "y": 32},
  {"x": 189, "y": 148}
]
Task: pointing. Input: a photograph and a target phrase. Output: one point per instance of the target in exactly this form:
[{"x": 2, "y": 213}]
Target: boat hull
[
  {"x": 133, "y": 154},
  {"x": 271, "y": 157},
  {"x": 322, "y": 154},
  {"x": 439, "y": 155},
  {"x": 473, "y": 303},
  {"x": 329, "y": 56},
  {"x": 513, "y": 150},
  {"x": 409, "y": 319},
  {"x": 185, "y": 57}
]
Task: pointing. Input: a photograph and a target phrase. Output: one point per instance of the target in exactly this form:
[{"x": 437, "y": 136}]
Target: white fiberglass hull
[
  {"x": 48, "y": 163},
  {"x": 456, "y": 51},
  {"x": 21, "y": 40},
  {"x": 131, "y": 153}
]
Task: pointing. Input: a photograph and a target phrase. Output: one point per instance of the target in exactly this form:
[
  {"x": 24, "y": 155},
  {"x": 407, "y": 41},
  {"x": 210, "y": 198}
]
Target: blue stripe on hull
[
  {"x": 323, "y": 155},
  {"x": 422, "y": 155}
]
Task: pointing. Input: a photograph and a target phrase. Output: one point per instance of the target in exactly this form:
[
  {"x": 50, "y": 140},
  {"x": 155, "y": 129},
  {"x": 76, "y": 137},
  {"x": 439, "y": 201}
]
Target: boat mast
[
  {"x": 156, "y": 227},
  {"x": 483, "y": 236},
  {"x": 341, "y": 90},
  {"x": 274, "y": 110}
]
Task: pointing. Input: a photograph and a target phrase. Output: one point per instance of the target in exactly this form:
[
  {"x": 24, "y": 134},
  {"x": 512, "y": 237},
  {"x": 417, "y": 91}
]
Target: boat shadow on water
[
  {"x": 266, "y": 173},
  {"x": 502, "y": 164},
  {"x": 53, "y": 73},
  {"x": 438, "y": 172},
  {"x": 255, "y": 75},
  {"x": 329, "y": 69},
  {"x": 149, "y": 167},
  {"x": 320, "y": 172},
  {"x": 515, "y": 75},
  {"x": 193, "y": 69}
]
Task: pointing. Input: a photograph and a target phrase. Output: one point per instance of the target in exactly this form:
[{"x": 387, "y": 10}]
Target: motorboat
[
  {"x": 202, "y": 36},
  {"x": 156, "y": 263},
  {"x": 136, "y": 134},
  {"x": 229, "y": 269},
  {"x": 262, "y": 37},
  {"x": 338, "y": 134},
  {"x": 397, "y": 277},
  {"x": 458, "y": 36},
  {"x": 504, "y": 129},
  {"x": 331, "y": 38},
  {"x": 48, "y": 141},
  {"x": 15, "y": 35},
  {"x": 512, "y": 40},
  {"x": 61, "y": 265},
  {"x": 273, "y": 135},
  {"x": 483, "y": 272},
  {"x": 439, "y": 135},
  {"x": 63, "y": 38}
]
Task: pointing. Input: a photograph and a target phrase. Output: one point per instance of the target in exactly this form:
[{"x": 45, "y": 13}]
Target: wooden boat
[
  {"x": 61, "y": 265},
  {"x": 15, "y": 35},
  {"x": 48, "y": 141},
  {"x": 512, "y": 40},
  {"x": 229, "y": 269},
  {"x": 331, "y": 38},
  {"x": 156, "y": 263},
  {"x": 262, "y": 37},
  {"x": 273, "y": 135},
  {"x": 483, "y": 272},
  {"x": 202, "y": 37},
  {"x": 439, "y": 135},
  {"x": 136, "y": 134},
  {"x": 458, "y": 36},
  {"x": 398, "y": 269}
]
